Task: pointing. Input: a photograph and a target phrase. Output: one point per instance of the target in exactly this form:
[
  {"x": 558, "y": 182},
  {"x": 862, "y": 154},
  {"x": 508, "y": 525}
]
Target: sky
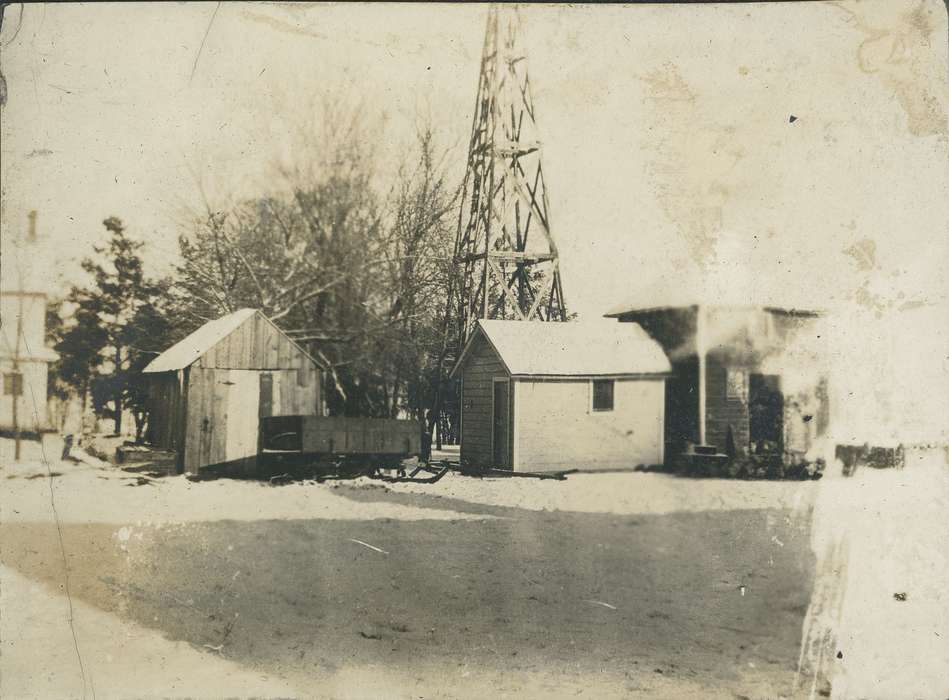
[
  {"x": 674, "y": 166},
  {"x": 793, "y": 154}
]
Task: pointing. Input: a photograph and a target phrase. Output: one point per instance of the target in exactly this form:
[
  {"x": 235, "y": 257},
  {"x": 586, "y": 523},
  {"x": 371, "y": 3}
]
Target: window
[
  {"x": 13, "y": 384},
  {"x": 736, "y": 385},
  {"x": 602, "y": 394}
]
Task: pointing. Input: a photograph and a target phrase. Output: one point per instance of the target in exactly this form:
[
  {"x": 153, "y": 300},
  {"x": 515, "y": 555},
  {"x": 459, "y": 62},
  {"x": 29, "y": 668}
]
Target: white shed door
[{"x": 243, "y": 399}]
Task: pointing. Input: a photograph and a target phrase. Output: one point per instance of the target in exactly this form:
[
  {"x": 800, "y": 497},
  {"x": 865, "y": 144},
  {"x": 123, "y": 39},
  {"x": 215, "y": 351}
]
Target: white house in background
[
  {"x": 24, "y": 357},
  {"x": 543, "y": 396},
  {"x": 24, "y": 361}
]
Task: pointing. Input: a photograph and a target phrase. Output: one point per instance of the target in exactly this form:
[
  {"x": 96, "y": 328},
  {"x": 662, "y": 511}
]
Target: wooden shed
[
  {"x": 552, "y": 396},
  {"x": 209, "y": 391}
]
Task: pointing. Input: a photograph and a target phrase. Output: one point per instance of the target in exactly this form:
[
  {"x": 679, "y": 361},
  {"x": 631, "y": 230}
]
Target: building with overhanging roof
[{"x": 731, "y": 391}]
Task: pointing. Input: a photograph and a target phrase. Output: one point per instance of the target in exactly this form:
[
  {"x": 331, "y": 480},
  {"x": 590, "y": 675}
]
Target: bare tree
[{"x": 351, "y": 268}]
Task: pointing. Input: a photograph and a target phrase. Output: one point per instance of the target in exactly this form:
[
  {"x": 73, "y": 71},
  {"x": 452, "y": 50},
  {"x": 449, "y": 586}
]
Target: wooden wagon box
[{"x": 318, "y": 435}]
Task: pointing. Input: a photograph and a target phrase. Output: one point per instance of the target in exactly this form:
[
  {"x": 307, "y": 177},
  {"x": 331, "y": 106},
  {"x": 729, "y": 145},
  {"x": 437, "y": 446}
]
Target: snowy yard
[{"x": 603, "y": 585}]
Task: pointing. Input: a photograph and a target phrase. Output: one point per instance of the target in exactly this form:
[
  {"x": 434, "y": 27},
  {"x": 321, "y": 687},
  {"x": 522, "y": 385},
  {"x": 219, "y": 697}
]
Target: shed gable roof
[
  {"x": 188, "y": 350},
  {"x": 591, "y": 348}
]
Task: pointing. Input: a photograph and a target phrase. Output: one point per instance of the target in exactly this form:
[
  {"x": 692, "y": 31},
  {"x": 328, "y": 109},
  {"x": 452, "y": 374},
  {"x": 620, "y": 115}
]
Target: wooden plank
[
  {"x": 207, "y": 419},
  {"x": 211, "y": 358},
  {"x": 280, "y": 393},
  {"x": 250, "y": 341},
  {"x": 242, "y": 414},
  {"x": 253, "y": 359},
  {"x": 272, "y": 357},
  {"x": 242, "y": 337},
  {"x": 291, "y": 398},
  {"x": 304, "y": 375},
  {"x": 235, "y": 349},
  {"x": 192, "y": 407},
  {"x": 195, "y": 413},
  {"x": 207, "y": 401},
  {"x": 218, "y": 413},
  {"x": 283, "y": 352},
  {"x": 266, "y": 394},
  {"x": 261, "y": 334}
]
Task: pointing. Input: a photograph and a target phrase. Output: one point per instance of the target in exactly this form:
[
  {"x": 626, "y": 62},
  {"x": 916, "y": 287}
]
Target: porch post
[{"x": 700, "y": 349}]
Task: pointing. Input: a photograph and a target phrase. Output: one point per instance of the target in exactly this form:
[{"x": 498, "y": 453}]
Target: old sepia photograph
[{"x": 467, "y": 350}]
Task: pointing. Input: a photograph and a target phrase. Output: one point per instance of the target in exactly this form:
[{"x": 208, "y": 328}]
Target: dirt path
[{"x": 524, "y": 601}]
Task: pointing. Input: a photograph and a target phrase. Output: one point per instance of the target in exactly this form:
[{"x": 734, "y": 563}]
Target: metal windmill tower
[{"x": 505, "y": 256}]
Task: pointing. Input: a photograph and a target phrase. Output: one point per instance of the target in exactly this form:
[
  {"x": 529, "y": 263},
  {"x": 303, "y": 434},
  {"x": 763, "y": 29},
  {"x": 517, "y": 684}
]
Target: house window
[
  {"x": 736, "y": 385},
  {"x": 13, "y": 384},
  {"x": 602, "y": 394}
]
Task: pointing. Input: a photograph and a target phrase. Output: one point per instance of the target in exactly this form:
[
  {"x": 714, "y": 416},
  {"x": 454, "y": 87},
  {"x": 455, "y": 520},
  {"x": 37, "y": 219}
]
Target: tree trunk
[
  {"x": 83, "y": 409},
  {"x": 117, "y": 397}
]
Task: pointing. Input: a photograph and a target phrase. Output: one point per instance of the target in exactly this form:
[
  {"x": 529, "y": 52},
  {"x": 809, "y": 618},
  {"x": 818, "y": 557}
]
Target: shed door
[
  {"x": 243, "y": 399},
  {"x": 500, "y": 436}
]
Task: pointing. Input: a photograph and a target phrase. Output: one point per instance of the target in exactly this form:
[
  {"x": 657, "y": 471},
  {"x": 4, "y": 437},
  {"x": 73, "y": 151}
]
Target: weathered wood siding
[
  {"x": 477, "y": 403},
  {"x": 726, "y": 401},
  {"x": 222, "y": 401},
  {"x": 361, "y": 436},
  {"x": 166, "y": 410},
  {"x": 297, "y": 392},
  {"x": 206, "y": 429},
  {"x": 556, "y": 428},
  {"x": 257, "y": 344},
  {"x": 226, "y": 395}
]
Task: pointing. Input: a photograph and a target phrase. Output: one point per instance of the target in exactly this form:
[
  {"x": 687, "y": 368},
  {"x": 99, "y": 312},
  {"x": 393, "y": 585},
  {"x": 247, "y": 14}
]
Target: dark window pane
[
  {"x": 603, "y": 395},
  {"x": 13, "y": 384}
]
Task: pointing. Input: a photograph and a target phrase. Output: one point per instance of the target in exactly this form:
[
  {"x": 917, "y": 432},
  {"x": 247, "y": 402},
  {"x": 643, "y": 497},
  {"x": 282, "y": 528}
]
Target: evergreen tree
[{"x": 115, "y": 318}]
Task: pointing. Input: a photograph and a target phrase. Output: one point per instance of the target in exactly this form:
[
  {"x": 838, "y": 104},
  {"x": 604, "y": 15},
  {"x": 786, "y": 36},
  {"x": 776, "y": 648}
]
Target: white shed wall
[{"x": 556, "y": 428}]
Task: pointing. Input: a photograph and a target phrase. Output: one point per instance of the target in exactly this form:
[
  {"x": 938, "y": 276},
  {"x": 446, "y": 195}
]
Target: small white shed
[{"x": 543, "y": 396}]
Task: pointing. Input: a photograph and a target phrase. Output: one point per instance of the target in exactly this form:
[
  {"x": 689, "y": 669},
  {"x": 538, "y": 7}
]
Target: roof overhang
[
  {"x": 803, "y": 313},
  {"x": 590, "y": 377}
]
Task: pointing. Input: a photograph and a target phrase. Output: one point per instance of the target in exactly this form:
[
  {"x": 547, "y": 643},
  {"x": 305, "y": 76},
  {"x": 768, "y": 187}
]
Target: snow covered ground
[
  {"x": 86, "y": 494},
  {"x": 893, "y": 523},
  {"x": 617, "y": 493},
  {"x": 120, "y": 659}
]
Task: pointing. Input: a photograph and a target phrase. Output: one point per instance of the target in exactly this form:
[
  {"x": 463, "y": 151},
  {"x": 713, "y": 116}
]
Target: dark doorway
[
  {"x": 500, "y": 427},
  {"x": 266, "y": 395},
  {"x": 766, "y": 413}
]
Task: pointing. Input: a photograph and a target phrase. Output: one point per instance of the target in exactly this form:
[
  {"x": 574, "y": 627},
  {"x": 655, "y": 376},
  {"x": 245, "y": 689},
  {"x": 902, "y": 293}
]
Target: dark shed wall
[
  {"x": 682, "y": 404},
  {"x": 481, "y": 367},
  {"x": 166, "y": 410},
  {"x": 740, "y": 340}
]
